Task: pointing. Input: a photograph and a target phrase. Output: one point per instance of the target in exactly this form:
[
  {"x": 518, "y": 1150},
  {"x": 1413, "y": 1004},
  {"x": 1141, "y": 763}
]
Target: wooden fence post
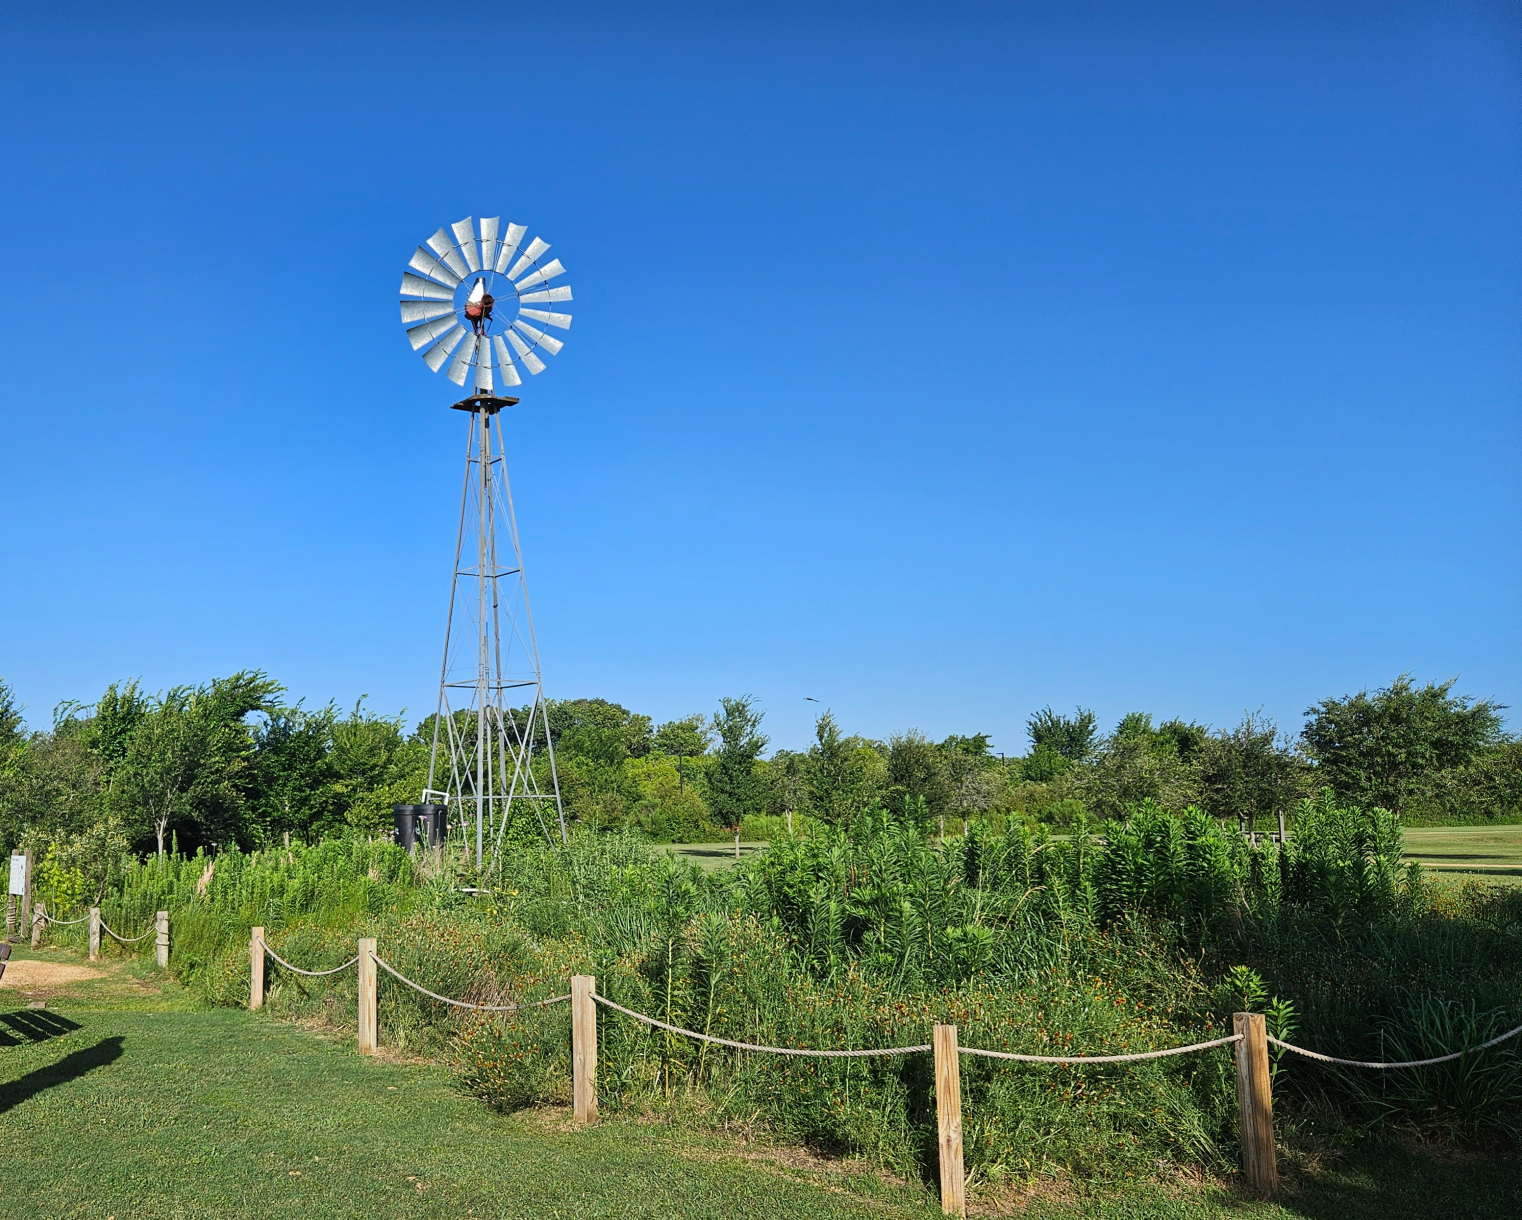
[
  {"x": 161, "y": 938},
  {"x": 367, "y": 1022},
  {"x": 26, "y": 893},
  {"x": 256, "y": 969},
  {"x": 584, "y": 1047},
  {"x": 39, "y": 922},
  {"x": 94, "y": 934},
  {"x": 1255, "y": 1103},
  {"x": 948, "y": 1119}
]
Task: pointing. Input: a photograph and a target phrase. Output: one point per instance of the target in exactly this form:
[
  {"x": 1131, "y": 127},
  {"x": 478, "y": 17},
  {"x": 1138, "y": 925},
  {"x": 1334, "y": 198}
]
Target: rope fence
[
  {"x": 749, "y": 1046},
  {"x": 1249, "y": 1042},
  {"x": 41, "y": 920},
  {"x": 1409, "y": 1063},
  {"x": 128, "y": 940},
  {"x": 1132, "y": 1058},
  {"x": 311, "y": 974},
  {"x": 444, "y": 999}
]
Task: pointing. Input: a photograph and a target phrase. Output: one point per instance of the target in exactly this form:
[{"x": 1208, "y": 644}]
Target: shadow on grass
[
  {"x": 70, "y": 1067},
  {"x": 33, "y": 1026},
  {"x": 1391, "y": 1181}
]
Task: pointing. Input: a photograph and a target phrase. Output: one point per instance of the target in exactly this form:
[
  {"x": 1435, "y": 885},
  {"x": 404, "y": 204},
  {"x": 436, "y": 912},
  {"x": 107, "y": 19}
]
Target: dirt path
[{"x": 48, "y": 976}]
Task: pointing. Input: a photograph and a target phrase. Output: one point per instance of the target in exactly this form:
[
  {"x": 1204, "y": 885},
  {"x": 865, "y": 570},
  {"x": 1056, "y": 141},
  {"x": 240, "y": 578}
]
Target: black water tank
[
  {"x": 432, "y": 823},
  {"x": 406, "y": 818}
]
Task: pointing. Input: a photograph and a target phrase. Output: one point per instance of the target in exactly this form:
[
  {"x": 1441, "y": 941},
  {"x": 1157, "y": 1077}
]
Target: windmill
[{"x": 475, "y": 304}]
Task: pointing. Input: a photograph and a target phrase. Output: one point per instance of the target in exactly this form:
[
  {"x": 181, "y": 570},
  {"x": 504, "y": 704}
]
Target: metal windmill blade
[
  {"x": 548, "y": 272},
  {"x": 530, "y": 256},
  {"x": 465, "y": 241},
  {"x": 509, "y": 247},
  {"x": 489, "y": 239}
]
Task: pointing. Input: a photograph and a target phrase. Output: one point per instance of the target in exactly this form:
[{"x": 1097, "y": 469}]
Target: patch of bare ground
[{"x": 42, "y": 980}]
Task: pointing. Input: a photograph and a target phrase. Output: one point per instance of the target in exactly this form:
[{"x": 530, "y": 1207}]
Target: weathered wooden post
[
  {"x": 39, "y": 922},
  {"x": 255, "y": 969},
  {"x": 367, "y": 995},
  {"x": 584, "y": 1047},
  {"x": 161, "y": 938},
  {"x": 948, "y": 1119},
  {"x": 1255, "y": 1103},
  {"x": 13, "y": 892},
  {"x": 94, "y": 934},
  {"x": 26, "y": 894}
]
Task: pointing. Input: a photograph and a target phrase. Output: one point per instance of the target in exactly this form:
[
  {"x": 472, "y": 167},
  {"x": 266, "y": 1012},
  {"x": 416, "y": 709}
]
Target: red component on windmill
[{"x": 478, "y": 306}]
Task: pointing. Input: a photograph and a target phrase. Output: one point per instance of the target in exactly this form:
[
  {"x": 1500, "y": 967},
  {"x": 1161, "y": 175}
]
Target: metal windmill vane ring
[{"x": 472, "y": 300}]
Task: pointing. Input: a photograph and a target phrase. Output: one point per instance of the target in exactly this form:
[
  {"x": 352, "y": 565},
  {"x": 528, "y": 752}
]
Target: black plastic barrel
[
  {"x": 432, "y": 823},
  {"x": 406, "y": 818}
]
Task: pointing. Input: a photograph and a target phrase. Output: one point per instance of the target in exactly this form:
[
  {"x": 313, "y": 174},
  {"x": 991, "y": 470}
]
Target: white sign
[{"x": 18, "y": 875}]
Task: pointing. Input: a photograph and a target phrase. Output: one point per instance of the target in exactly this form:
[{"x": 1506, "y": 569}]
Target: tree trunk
[
  {"x": 737, "y": 842},
  {"x": 789, "y": 821},
  {"x": 162, "y": 825}
]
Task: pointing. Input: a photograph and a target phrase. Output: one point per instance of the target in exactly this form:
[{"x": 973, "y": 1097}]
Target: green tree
[
  {"x": 1251, "y": 770},
  {"x": 1387, "y": 748},
  {"x": 186, "y": 764},
  {"x": 838, "y": 773},
  {"x": 375, "y": 766},
  {"x": 1184, "y": 739},
  {"x": 790, "y": 783},
  {"x": 50, "y": 785},
  {"x": 161, "y": 765},
  {"x": 970, "y": 771},
  {"x": 736, "y": 785},
  {"x": 917, "y": 772},
  {"x": 568, "y": 716},
  {"x": 688, "y": 737},
  {"x": 1072, "y": 738},
  {"x": 12, "y": 733},
  {"x": 1138, "y": 763},
  {"x": 291, "y": 772}
]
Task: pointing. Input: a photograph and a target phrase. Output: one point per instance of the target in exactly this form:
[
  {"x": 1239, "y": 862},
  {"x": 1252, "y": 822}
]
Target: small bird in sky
[{"x": 810, "y": 699}]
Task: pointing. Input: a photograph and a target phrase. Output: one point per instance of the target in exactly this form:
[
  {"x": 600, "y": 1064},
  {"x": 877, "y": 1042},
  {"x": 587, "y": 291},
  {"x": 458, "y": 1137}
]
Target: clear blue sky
[{"x": 939, "y": 362}]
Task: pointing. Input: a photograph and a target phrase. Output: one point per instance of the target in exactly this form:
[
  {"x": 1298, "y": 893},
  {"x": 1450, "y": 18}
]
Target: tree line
[{"x": 232, "y": 762}]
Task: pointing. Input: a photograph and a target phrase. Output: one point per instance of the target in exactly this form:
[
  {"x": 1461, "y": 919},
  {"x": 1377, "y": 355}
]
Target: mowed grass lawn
[
  {"x": 1481, "y": 851},
  {"x": 120, "y": 1100},
  {"x": 711, "y": 856}
]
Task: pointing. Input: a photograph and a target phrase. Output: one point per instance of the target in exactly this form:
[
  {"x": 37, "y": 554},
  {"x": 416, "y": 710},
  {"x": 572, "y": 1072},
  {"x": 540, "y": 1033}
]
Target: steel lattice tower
[{"x": 483, "y": 751}]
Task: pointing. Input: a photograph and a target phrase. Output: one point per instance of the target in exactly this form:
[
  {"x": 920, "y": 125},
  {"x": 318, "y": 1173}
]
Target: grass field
[
  {"x": 710, "y": 856},
  {"x": 1481, "y": 851},
  {"x": 120, "y": 1100}
]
